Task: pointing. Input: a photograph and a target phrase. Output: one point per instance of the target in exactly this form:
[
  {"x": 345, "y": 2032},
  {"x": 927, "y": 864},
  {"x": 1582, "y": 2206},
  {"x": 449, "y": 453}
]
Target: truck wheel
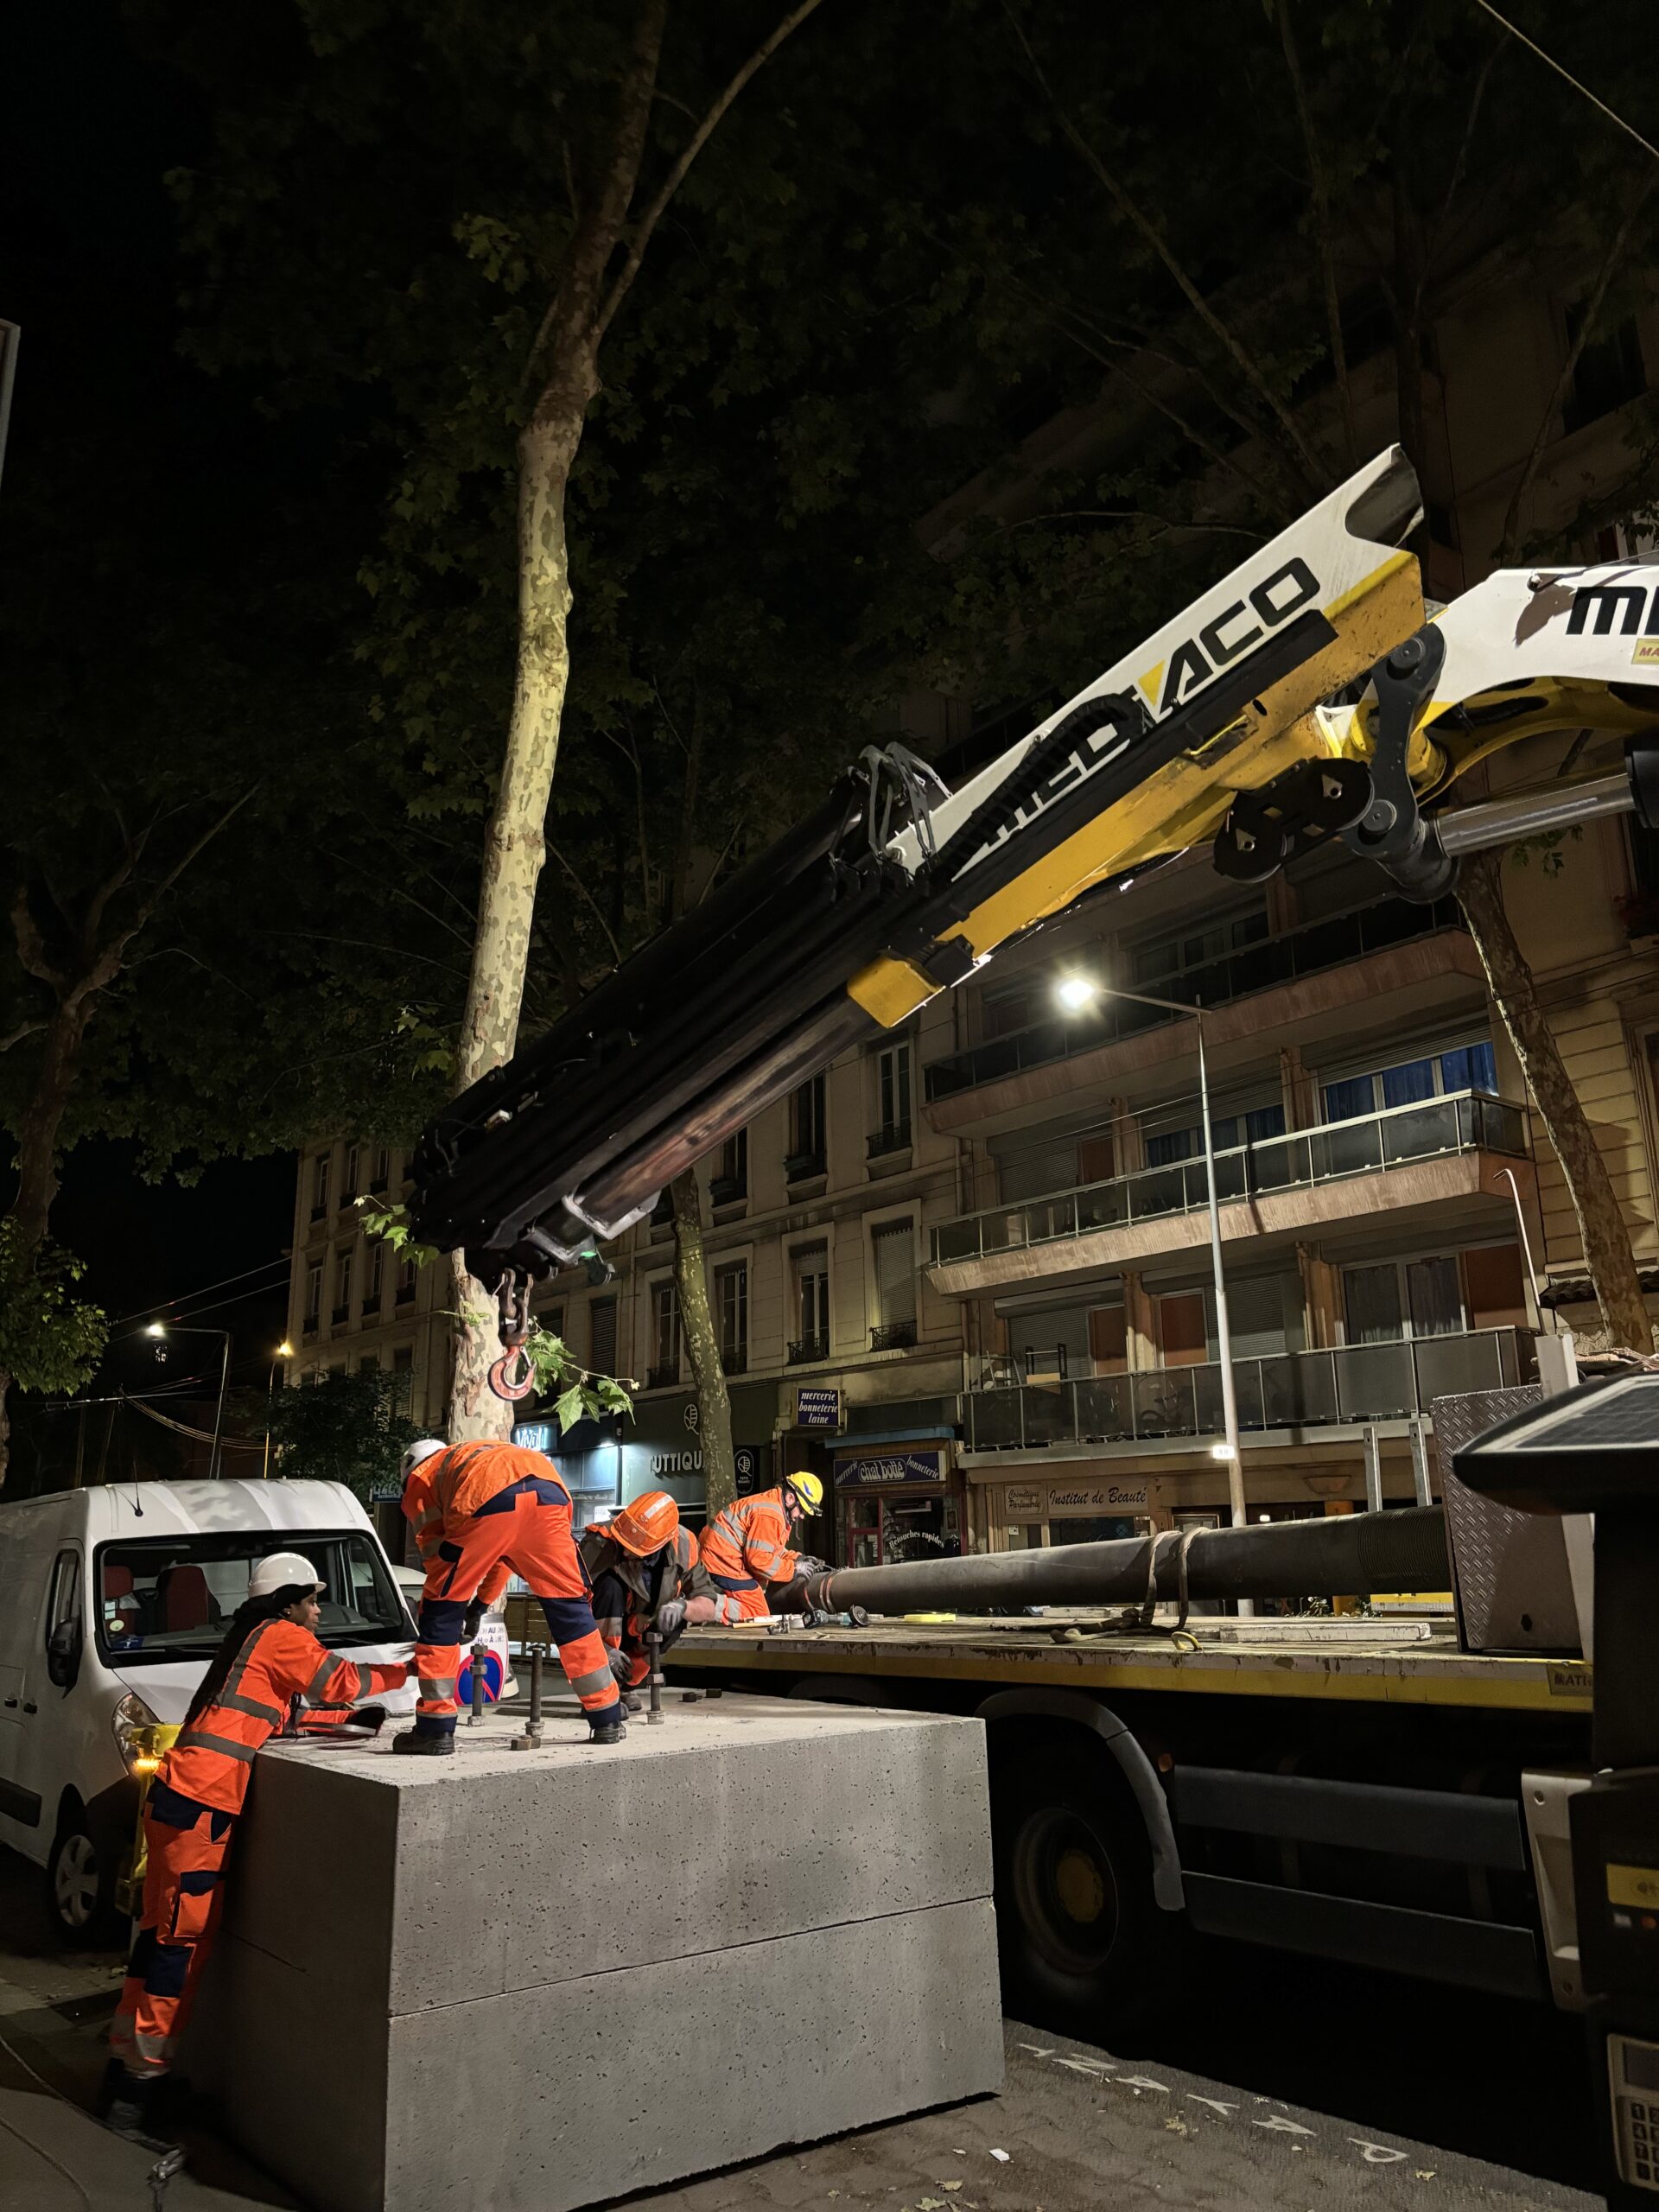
[
  {"x": 1083, "y": 1943},
  {"x": 80, "y": 1885}
]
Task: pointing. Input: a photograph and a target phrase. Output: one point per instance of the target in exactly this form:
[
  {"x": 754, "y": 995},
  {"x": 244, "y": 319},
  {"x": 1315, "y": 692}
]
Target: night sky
[{"x": 90, "y": 275}]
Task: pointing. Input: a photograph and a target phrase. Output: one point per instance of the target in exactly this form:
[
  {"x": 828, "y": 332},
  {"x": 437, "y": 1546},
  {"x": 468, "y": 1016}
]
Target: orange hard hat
[{"x": 647, "y": 1525}]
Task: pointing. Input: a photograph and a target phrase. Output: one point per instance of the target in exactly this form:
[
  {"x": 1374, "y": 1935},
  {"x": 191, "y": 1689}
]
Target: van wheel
[
  {"x": 80, "y": 1885},
  {"x": 1083, "y": 1943}
]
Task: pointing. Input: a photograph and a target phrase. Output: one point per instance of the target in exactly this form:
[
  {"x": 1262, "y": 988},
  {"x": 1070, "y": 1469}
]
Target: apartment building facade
[{"x": 965, "y": 1274}]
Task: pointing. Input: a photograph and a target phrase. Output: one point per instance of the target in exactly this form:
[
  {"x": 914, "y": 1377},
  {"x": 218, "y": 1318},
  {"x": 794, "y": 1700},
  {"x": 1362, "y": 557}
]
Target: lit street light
[
  {"x": 284, "y": 1351},
  {"x": 1074, "y": 992},
  {"x": 162, "y": 1329}
]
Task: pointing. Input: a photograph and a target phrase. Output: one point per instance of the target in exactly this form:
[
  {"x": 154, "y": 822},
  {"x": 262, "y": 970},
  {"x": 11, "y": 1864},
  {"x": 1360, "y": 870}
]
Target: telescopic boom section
[{"x": 896, "y": 889}]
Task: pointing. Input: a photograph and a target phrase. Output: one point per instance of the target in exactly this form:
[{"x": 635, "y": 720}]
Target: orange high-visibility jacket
[
  {"x": 747, "y": 1541},
  {"x": 213, "y": 1757},
  {"x": 454, "y": 1484},
  {"x": 627, "y": 1591}
]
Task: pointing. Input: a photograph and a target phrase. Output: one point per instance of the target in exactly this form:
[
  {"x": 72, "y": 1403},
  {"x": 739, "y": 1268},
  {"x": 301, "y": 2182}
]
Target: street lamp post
[
  {"x": 173, "y": 1328},
  {"x": 284, "y": 1351},
  {"x": 1075, "y": 992}
]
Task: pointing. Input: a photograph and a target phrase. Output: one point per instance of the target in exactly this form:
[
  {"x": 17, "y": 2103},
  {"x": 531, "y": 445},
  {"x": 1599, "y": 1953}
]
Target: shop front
[
  {"x": 898, "y": 1499},
  {"x": 1067, "y": 1508}
]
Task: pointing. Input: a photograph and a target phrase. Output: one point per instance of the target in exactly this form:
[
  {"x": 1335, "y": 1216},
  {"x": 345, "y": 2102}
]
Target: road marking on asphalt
[{"x": 1377, "y": 2154}]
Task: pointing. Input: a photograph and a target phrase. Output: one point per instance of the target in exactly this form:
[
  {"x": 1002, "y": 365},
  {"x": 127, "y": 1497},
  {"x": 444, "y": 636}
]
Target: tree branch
[
  {"x": 17, "y": 1036},
  {"x": 1319, "y": 182},
  {"x": 1314, "y": 470},
  {"x": 1610, "y": 260},
  {"x": 591, "y": 902},
  {"x": 617, "y": 290}
]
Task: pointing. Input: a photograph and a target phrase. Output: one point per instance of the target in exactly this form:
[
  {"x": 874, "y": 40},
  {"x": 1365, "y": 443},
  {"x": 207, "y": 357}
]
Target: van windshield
[{"x": 172, "y": 1597}]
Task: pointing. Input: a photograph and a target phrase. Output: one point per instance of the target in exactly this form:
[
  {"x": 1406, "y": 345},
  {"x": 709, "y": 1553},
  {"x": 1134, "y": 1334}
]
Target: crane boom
[{"x": 1213, "y": 729}]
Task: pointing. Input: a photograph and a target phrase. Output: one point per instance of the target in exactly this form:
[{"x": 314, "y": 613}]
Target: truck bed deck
[{"x": 1378, "y": 1661}]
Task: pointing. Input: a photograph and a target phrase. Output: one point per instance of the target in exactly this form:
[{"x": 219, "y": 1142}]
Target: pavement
[{"x": 1077, "y": 2127}]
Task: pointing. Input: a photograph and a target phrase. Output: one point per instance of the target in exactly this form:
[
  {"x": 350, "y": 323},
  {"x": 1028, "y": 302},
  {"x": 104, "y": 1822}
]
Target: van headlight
[{"x": 131, "y": 1722}]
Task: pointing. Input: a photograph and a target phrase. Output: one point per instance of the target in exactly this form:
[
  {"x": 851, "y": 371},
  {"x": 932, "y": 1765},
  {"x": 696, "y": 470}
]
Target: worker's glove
[
  {"x": 670, "y": 1618},
  {"x": 473, "y": 1621},
  {"x": 806, "y": 1565},
  {"x": 621, "y": 1666}
]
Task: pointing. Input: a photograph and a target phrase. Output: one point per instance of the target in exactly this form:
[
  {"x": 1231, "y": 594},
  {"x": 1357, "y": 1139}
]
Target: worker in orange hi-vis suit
[
  {"x": 482, "y": 1511},
  {"x": 648, "y": 1580},
  {"x": 746, "y": 1546},
  {"x": 269, "y": 1661}
]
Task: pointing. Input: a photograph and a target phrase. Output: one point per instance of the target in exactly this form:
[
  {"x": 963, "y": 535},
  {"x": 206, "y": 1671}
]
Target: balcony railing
[
  {"x": 805, "y": 1349},
  {"x": 1262, "y": 967},
  {"x": 659, "y": 1378},
  {"x": 882, "y": 1141},
  {"x": 727, "y": 1189},
  {"x": 892, "y": 1336},
  {"x": 1463, "y": 1121},
  {"x": 405, "y": 1293},
  {"x": 341, "y": 1313},
  {"x": 801, "y": 1166},
  {"x": 1301, "y": 1389}
]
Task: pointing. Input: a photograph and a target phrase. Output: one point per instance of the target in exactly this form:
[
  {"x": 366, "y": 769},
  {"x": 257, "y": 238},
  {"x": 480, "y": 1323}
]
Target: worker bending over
[
  {"x": 269, "y": 1657},
  {"x": 481, "y": 1512},
  {"x": 746, "y": 1546},
  {"x": 647, "y": 1581}
]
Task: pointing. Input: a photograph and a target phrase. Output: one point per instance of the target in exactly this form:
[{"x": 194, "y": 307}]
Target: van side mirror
[{"x": 63, "y": 1653}]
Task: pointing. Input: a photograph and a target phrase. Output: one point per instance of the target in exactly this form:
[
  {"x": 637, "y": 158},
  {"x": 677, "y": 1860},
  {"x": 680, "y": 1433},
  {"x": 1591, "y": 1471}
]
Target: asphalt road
[{"x": 1280, "y": 2084}]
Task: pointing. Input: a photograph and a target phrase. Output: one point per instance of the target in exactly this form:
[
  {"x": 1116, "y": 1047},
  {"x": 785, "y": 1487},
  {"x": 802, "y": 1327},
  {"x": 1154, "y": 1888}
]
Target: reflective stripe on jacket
[
  {"x": 627, "y": 1590},
  {"x": 750, "y": 1537},
  {"x": 462, "y": 1481},
  {"x": 212, "y": 1758}
]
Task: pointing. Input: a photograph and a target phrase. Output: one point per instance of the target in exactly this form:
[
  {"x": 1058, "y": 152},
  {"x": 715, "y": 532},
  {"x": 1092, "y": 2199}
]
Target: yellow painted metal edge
[{"x": 1541, "y": 1688}]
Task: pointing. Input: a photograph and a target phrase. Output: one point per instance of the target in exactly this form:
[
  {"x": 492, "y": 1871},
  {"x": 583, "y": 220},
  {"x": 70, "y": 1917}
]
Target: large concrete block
[{"x": 543, "y": 1980}]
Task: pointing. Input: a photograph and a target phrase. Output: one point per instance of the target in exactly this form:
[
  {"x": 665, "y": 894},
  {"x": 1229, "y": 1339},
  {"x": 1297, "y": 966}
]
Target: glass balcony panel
[
  {"x": 1046, "y": 1416},
  {"x": 1448, "y": 1365},
  {"x": 1101, "y": 1410},
  {"x": 1420, "y": 1131},
  {"x": 956, "y": 1240},
  {"x": 1374, "y": 1382},
  {"x": 1162, "y": 1399},
  {"x": 993, "y": 1419},
  {"x": 1298, "y": 1388},
  {"x": 1103, "y": 1205}
]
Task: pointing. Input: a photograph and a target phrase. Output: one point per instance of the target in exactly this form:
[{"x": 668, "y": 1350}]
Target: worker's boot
[
  {"x": 128, "y": 2103},
  {"x": 631, "y": 1703},
  {"x": 612, "y": 1733},
  {"x": 425, "y": 1743}
]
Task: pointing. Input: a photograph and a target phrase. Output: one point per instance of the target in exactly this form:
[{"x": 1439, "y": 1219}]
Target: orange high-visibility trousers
[
  {"x": 187, "y": 1846},
  {"x": 526, "y": 1529}
]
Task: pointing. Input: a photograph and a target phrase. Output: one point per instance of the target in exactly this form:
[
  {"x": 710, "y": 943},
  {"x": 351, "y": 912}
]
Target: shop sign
[
  {"x": 534, "y": 1435},
  {"x": 883, "y": 1469},
  {"x": 1098, "y": 1497},
  {"x": 817, "y": 1409},
  {"x": 1025, "y": 1501},
  {"x": 386, "y": 1494},
  {"x": 752, "y": 1465}
]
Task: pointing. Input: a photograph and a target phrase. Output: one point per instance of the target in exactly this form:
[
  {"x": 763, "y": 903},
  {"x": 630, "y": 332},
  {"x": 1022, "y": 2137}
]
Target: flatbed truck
[{"x": 1359, "y": 1789}]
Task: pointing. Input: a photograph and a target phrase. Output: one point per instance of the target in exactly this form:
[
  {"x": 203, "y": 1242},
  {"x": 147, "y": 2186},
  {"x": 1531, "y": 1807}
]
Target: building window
[
  {"x": 893, "y": 1098},
  {"x": 403, "y": 1376},
  {"x": 1108, "y": 1340},
  {"x": 552, "y": 1320},
  {"x": 601, "y": 1335},
  {"x": 1183, "y": 1330},
  {"x": 1403, "y": 1298},
  {"x": 810, "y": 1264},
  {"x": 320, "y": 1169},
  {"x": 1162, "y": 956},
  {"x": 314, "y": 1293},
  {"x": 377, "y": 1273},
  {"x": 382, "y": 1176},
  {"x": 1002, "y": 1013},
  {"x": 342, "y": 1283},
  {"x": 353, "y": 1168},
  {"x": 367, "y": 1364},
  {"x": 664, "y": 1336},
  {"x": 1467, "y": 1067},
  {"x": 730, "y": 1180},
  {"x": 1259, "y": 1126},
  {"x": 1610, "y": 373},
  {"x": 806, "y": 1131},
  {"x": 732, "y": 1303},
  {"x": 406, "y": 1274},
  {"x": 892, "y": 1251}
]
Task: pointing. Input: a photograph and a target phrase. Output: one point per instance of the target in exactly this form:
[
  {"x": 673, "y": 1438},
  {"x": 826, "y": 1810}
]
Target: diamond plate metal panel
[{"x": 1514, "y": 1590}]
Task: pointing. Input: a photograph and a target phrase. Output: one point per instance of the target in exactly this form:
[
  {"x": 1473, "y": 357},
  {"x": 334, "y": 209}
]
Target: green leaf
[{"x": 570, "y": 1408}]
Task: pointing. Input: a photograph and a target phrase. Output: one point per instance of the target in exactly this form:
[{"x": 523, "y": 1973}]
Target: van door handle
[
  {"x": 11, "y": 1700},
  {"x": 31, "y": 1707}
]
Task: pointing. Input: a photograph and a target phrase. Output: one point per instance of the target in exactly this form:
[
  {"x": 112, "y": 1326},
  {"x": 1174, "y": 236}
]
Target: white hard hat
[
  {"x": 422, "y": 1449},
  {"x": 283, "y": 1571}
]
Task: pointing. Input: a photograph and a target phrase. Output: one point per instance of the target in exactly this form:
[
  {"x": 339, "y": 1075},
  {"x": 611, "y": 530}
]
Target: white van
[{"x": 115, "y": 1600}]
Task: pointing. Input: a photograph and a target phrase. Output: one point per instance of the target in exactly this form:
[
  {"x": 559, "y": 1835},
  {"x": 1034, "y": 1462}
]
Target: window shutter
[{"x": 893, "y": 1247}]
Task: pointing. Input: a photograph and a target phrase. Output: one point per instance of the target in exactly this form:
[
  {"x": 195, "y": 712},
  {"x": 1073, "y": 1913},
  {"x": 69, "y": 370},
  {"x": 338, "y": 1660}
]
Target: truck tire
[
  {"x": 1083, "y": 1943},
  {"x": 80, "y": 1885}
]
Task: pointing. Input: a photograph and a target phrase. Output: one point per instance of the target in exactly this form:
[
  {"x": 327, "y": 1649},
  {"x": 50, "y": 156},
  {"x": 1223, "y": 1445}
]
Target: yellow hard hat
[{"x": 808, "y": 1489}]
